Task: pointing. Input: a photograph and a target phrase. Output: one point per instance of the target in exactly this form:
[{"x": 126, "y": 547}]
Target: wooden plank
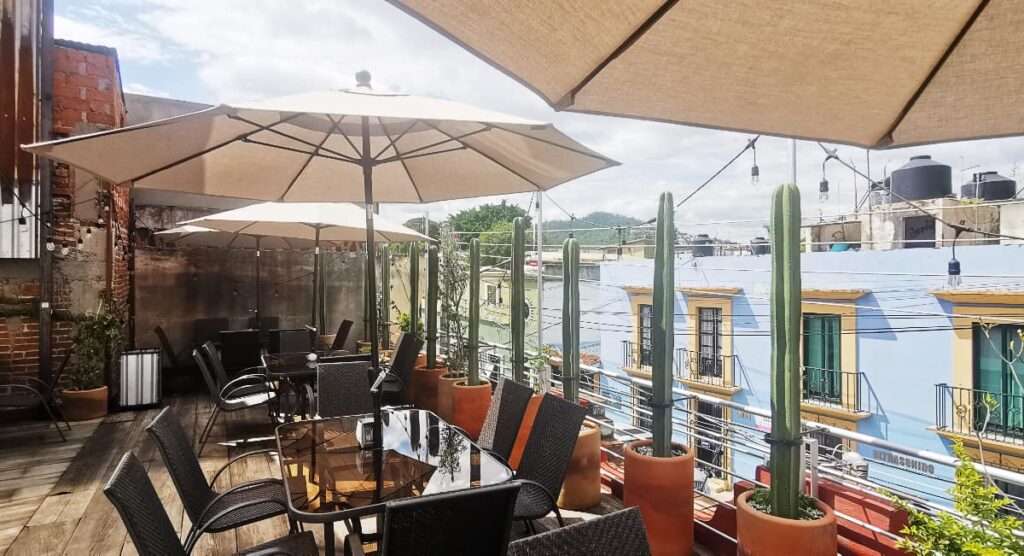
[{"x": 43, "y": 540}]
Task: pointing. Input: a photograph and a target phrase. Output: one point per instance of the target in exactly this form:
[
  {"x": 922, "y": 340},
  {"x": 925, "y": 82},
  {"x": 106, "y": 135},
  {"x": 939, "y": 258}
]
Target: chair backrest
[
  {"x": 212, "y": 354},
  {"x": 165, "y": 343},
  {"x": 551, "y": 442},
  {"x": 501, "y": 425},
  {"x": 346, "y": 358},
  {"x": 475, "y": 521},
  {"x": 264, "y": 323},
  {"x": 59, "y": 372},
  {"x": 343, "y": 389},
  {"x": 292, "y": 340},
  {"x": 239, "y": 349},
  {"x": 339, "y": 339},
  {"x": 405, "y": 357},
  {"x": 208, "y": 377},
  {"x": 204, "y": 330},
  {"x": 132, "y": 494},
  {"x": 617, "y": 533},
  {"x": 182, "y": 464}
]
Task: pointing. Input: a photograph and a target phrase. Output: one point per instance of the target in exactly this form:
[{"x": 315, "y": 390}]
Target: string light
[
  {"x": 953, "y": 269},
  {"x": 755, "y": 173},
  {"x": 22, "y": 221},
  {"x": 49, "y": 243},
  {"x": 88, "y": 232},
  {"x": 823, "y": 185},
  {"x": 64, "y": 249}
]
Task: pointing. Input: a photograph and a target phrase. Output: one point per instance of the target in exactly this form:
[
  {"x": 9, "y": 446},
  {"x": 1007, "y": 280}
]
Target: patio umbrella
[
  {"x": 311, "y": 222},
  {"x": 872, "y": 73},
  {"x": 340, "y": 145}
]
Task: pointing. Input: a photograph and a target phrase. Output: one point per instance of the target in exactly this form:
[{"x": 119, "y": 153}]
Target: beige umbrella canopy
[
  {"x": 198, "y": 236},
  {"x": 873, "y": 73}
]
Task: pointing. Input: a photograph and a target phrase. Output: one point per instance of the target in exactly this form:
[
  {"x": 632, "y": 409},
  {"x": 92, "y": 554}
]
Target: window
[
  {"x": 822, "y": 379},
  {"x": 828, "y": 443},
  {"x": 493, "y": 294},
  {"x": 710, "y": 448},
  {"x": 646, "y": 335},
  {"x": 997, "y": 358},
  {"x": 709, "y": 341},
  {"x": 642, "y": 400}
]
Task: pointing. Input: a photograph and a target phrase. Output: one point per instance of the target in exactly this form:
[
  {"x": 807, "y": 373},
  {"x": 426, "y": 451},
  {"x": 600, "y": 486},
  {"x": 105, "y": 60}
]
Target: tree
[
  {"x": 484, "y": 217},
  {"x": 416, "y": 224},
  {"x": 495, "y": 244}
]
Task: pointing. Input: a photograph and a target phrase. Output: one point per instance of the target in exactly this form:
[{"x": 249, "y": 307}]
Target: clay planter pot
[
  {"x": 470, "y": 405},
  {"x": 582, "y": 486},
  {"x": 524, "y": 430},
  {"x": 663, "y": 489},
  {"x": 83, "y": 405},
  {"x": 760, "y": 534},
  {"x": 445, "y": 385},
  {"x": 424, "y": 386}
]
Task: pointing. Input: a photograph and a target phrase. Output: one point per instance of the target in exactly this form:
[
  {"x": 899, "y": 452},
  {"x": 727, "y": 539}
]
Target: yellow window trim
[
  {"x": 709, "y": 291},
  {"x": 727, "y": 417},
  {"x": 995, "y": 451},
  {"x": 841, "y": 294},
  {"x": 638, "y": 296},
  {"x": 981, "y": 297},
  {"x": 847, "y": 354},
  {"x": 693, "y": 306}
]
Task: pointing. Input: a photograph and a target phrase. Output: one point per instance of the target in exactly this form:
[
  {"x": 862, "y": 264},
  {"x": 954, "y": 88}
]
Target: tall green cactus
[
  {"x": 786, "y": 445},
  {"x": 431, "y": 306},
  {"x": 518, "y": 324},
  {"x": 414, "y": 289},
  {"x": 473, "y": 355},
  {"x": 385, "y": 296},
  {"x": 663, "y": 334},
  {"x": 571, "y": 320}
]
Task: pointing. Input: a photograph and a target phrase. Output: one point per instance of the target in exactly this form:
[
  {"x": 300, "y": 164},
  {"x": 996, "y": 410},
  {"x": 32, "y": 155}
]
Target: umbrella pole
[
  {"x": 259, "y": 323},
  {"x": 316, "y": 279},
  {"x": 371, "y": 284}
]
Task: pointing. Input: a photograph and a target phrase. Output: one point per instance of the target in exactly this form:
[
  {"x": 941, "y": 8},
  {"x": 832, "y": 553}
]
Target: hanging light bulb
[
  {"x": 88, "y": 232},
  {"x": 823, "y": 190},
  {"x": 954, "y": 272},
  {"x": 99, "y": 221},
  {"x": 234, "y": 291},
  {"x": 79, "y": 242},
  {"x": 755, "y": 172},
  {"x": 275, "y": 290},
  {"x": 64, "y": 249},
  {"x": 22, "y": 221},
  {"x": 49, "y": 243},
  {"x": 195, "y": 276}
]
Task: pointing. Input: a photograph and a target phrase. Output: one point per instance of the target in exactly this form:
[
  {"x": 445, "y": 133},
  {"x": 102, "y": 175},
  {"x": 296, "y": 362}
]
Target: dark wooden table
[{"x": 329, "y": 478}]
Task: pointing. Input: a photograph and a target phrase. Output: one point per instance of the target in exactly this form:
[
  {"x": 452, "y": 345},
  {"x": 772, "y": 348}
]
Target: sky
[{"x": 240, "y": 50}]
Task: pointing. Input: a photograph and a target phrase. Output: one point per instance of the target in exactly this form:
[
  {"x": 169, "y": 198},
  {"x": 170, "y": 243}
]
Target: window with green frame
[
  {"x": 996, "y": 361},
  {"x": 822, "y": 379}
]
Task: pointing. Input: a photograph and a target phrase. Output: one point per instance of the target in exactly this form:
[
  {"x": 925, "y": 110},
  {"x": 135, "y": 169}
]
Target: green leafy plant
[
  {"x": 983, "y": 531},
  {"x": 761, "y": 501},
  {"x": 99, "y": 338},
  {"x": 454, "y": 282},
  {"x": 405, "y": 325}
]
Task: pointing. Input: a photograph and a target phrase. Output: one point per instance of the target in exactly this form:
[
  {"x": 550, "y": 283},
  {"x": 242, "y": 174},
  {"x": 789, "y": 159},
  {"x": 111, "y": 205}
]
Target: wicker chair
[
  {"x": 241, "y": 393},
  {"x": 475, "y": 521},
  {"x": 131, "y": 492},
  {"x": 291, "y": 340},
  {"x": 611, "y": 535},
  {"x": 339, "y": 339},
  {"x": 394, "y": 387},
  {"x": 501, "y": 426},
  {"x": 37, "y": 393},
  {"x": 242, "y": 387},
  {"x": 343, "y": 389},
  {"x": 545, "y": 457},
  {"x": 206, "y": 507},
  {"x": 239, "y": 349}
]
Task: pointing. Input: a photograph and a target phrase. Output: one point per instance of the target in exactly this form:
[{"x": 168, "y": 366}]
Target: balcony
[
  {"x": 715, "y": 372},
  {"x": 964, "y": 412},
  {"x": 834, "y": 391},
  {"x": 637, "y": 357}
]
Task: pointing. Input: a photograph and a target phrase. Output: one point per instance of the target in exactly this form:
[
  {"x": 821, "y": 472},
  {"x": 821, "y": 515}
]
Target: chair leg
[
  {"x": 558, "y": 514},
  {"x": 530, "y": 527},
  {"x": 60, "y": 412},
  {"x": 53, "y": 420},
  {"x": 206, "y": 431}
]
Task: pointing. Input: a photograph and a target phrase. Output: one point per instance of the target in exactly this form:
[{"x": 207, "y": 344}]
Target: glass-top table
[
  {"x": 295, "y": 365},
  {"x": 329, "y": 478}
]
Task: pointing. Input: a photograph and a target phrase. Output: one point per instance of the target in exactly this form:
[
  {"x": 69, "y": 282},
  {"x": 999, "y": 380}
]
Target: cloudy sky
[{"x": 237, "y": 50}]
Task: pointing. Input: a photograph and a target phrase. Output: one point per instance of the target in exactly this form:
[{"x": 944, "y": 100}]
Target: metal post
[
  {"x": 316, "y": 276},
  {"x": 811, "y": 453},
  {"x": 792, "y": 161},
  {"x": 259, "y": 323},
  {"x": 385, "y": 294},
  {"x": 44, "y": 206},
  {"x": 540, "y": 279},
  {"x": 517, "y": 324}
]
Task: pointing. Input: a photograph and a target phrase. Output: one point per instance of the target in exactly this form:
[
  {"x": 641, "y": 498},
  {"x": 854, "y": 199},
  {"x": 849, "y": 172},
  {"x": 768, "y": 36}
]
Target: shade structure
[{"x": 873, "y": 73}]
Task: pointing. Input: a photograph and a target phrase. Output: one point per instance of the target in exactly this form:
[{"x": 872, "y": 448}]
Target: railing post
[{"x": 811, "y": 453}]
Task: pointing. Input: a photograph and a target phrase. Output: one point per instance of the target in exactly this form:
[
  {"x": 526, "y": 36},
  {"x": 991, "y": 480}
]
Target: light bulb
[
  {"x": 99, "y": 221},
  {"x": 22, "y": 221},
  {"x": 954, "y": 273},
  {"x": 823, "y": 190},
  {"x": 64, "y": 248},
  {"x": 49, "y": 243},
  {"x": 88, "y": 231},
  {"x": 234, "y": 291},
  {"x": 755, "y": 175},
  {"x": 79, "y": 242}
]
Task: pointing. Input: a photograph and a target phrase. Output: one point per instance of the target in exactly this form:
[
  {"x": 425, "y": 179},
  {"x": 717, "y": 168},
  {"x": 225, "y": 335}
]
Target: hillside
[{"x": 592, "y": 236}]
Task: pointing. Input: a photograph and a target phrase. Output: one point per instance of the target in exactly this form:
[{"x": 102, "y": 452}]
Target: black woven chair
[
  {"x": 614, "y": 534},
  {"x": 241, "y": 393},
  {"x": 339, "y": 339},
  {"x": 467, "y": 522},
  {"x": 291, "y": 340},
  {"x": 239, "y": 349},
  {"x": 501, "y": 425},
  {"x": 249, "y": 381},
  {"x": 343, "y": 389},
  {"x": 131, "y": 492},
  {"x": 394, "y": 387},
  {"x": 545, "y": 457},
  {"x": 206, "y": 508},
  {"x": 36, "y": 393}
]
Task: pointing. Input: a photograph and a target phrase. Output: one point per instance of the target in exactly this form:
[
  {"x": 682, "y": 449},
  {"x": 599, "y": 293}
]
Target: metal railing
[
  {"x": 994, "y": 416},
  {"x": 839, "y": 389},
  {"x": 704, "y": 368},
  {"x": 637, "y": 356}
]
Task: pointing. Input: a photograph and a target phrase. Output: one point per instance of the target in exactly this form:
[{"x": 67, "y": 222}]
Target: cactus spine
[
  {"x": 571, "y": 320},
  {"x": 473, "y": 356},
  {"x": 518, "y": 324},
  {"x": 664, "y": 328},
  {"x": 414, "y": 289},
  {"x": 431, "y": 306},
  {"x": 787, "y": 480}
]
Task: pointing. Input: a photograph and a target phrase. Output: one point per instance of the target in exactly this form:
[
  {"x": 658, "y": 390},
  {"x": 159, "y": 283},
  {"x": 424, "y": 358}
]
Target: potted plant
[
  {"x": 427, "y": 371},
  {"x": 782, "y": 520},
  {"x": 471, "y": 398},
  {"x": 454, "y": 280},
  {"x": 98, "y": 342},
  {"x": 659, "y": 472},
  {"x": 517, "y": 328}
]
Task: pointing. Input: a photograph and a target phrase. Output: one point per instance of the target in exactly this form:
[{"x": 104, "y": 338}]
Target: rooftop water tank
[
  {"x": 989, "y": 186},
  {"x": 921, "y": 178},
  {"x": 702, "y": 246}
]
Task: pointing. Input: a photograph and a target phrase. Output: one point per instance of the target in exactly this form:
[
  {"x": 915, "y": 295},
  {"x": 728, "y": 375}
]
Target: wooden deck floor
[{"x": 51, "y": 498}]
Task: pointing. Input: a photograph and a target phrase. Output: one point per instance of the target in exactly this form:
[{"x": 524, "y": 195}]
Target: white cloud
[
  {"x": 140, "y": 89},
  {"x": 130, "y": 45}
]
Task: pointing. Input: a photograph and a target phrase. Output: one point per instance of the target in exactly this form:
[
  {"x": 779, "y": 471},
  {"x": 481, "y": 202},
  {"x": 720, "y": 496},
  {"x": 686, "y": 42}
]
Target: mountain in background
[{"x": 586, "y": 235}]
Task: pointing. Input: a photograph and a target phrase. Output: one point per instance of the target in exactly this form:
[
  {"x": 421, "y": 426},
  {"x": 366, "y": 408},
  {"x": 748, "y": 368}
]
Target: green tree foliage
[
  {"x": 434, "y": 232},
  {"x": 494, "y": 245},
  {"x": 484, "y": 217},
  {"x": 454, "y": 276},
  {"x": 99, "y": 338}
]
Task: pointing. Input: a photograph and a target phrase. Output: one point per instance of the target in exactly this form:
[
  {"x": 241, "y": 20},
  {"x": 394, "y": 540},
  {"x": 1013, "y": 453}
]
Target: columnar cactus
[
  {"x": 663, "y": 334},
  {"x": 385, "y": 296},
  {"x": 473, "y": 355},
  {"x": 431, "y": 306},
  {"x": 518, "y": 324},
  {"x": 786, "y": 437},
  {"x": 414, "y": 289},
  {"x": 571, "y": 320}
]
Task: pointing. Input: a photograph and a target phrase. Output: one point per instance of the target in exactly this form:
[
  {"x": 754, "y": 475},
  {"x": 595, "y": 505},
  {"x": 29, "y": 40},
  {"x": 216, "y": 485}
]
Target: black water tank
[
  {"x": 702, "y": 246},
  {"x": 989, "y": 186},
  {"x": 759, "y": 246},
  {"x": 921, "y": 178}
]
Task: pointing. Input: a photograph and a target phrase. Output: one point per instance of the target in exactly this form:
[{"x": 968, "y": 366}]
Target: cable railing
[{"x": 991, "y": 415}]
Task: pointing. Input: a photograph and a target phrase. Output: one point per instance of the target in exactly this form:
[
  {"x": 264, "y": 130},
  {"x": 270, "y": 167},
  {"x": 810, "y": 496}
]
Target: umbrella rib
[
  {"x": 553, "y": 144},
  {"x": 450, "y": 138},
  {"x": 312, "y": 155},
  {"x": 491, "y": 158},
  {"x": 392, "y": 142},
  {"x": 303, "y": 141},
  {"x": 349, "y": 140},
  {"x": 299, "y": 151},
  {"x": 211, "y": 149},
  {"x": 404, "y": 167},
  {"x": 570, "y": 97}
]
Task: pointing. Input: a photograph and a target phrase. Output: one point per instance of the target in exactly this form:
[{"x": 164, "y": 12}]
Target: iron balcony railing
[
  {"x": 705, "y": 368},
  {"x": 840, "y": 389},
  {"x": 969, "y": 411},
  {"x": 637, "y": 356}
]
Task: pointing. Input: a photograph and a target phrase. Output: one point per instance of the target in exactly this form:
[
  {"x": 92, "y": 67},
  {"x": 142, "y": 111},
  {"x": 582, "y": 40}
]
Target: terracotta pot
[
  {"x": 524, "y": 430},
  {"x": 760, "y": 534},
  {"x": 421, "y": 361},
  {"x": 582, "y": 486},
  {"x": 663, "y": 489},
  {"x": 83, "y": 405},
  {"x": 445, "y": 385},
  {"x": 470, "y": 405},
  {"x": 424, "y": 387}
]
